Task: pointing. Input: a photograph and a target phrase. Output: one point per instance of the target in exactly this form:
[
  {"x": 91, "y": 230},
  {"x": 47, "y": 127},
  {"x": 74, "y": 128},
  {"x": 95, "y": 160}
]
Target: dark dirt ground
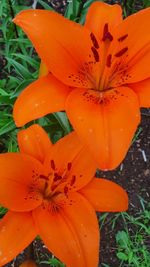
[{"x": 133, "y": 175}]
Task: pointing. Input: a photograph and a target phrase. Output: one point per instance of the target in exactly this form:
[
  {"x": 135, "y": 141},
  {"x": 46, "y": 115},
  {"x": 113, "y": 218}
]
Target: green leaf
[
  {"x": 46, "y": 6},
  {"x": 20, "y": 69},
  {"x": 8, "y": 127},
  {"x": 73, "y": 9},
  {"x": 122, "y": 239},
  {"x": 63, "y": 121},
  {"x": 122, "y": 256}
]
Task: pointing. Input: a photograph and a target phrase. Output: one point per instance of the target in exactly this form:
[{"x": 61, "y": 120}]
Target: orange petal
[
  {"x": 63, "y": 45},
  {"x": 83, "y": 168},
  {"x": 136, "y": 42},
  {"x": 17, "y": 231},
  {"x": 105, "y": 121},
  {"x": 59, "y": 236},
  {"x": 35, "y": 142},
  {"x": 64, "y": 151},
  {"x": 17, "y": 178},
  {"x": 68, "y": 233},
  {"x": 41, "y": 97},
  {"x": 100, "y": 14},
  {"x": 83, "y": 219},
  {"x": 105, "y": 196},
  {"x": 142, "y": 89}
]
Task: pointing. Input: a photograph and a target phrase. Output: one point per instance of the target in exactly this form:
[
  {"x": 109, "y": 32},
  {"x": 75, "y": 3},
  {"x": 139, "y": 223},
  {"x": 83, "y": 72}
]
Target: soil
[{"x": 133, "y": 175}]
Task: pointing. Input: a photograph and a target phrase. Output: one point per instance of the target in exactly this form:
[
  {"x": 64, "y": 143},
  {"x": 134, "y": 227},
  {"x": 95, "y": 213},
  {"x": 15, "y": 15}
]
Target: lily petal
[
  {"x": 131, "y": 48},
  {"x": 63, "y": 45},
  {"x": 59, "y": 236},
  {"x": 41, "y": 97},
  {"x": 17, "y": 177},
  {"x": 100, "y": 14},
  {"x": 63, "y": 152},
  {"x": 34, "y": 141},
  {"x": 83, "y": 168},
  {"x": 17, "y": 231},
  {"x": 105, "y": 121},
  {"x": 68, "y": 233},
  {"x": 105, "y": 196},
  {"x": 142, "y": 89},
  {"x": 83, "y": 219}
]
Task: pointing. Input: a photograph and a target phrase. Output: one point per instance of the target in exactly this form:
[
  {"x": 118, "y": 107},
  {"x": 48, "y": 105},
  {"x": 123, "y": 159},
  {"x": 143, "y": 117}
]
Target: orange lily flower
[
  {"x": 50, "y": 191},
  {"x": 99, "y": 74}
]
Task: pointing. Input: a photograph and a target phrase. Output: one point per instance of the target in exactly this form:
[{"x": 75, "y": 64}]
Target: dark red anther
[
  {"x": 73, "y": 180},
  {"x": 109, "y": 60},
  {"x": 52, "y": 164},
  {"x": 69, "y": 165},
  {"x": 121, "y": 52},
  {"x": 107, "y": 34},
  {"x": 105, "y": 30},
  {"x": 57, "y": 177},
  {"x": 43, "y": 177},
  {"x": 65, "y": 189},
  {"x": 95, "y": 53},
  {"x": 122, "y": 38},
  {"x": 94, "y": 40}
]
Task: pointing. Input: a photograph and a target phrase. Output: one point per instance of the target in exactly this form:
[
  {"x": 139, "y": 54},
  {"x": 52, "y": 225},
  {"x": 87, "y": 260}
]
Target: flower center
[
  {"x": 111, "y": 60},
  {"x": 57, "y": 183}
]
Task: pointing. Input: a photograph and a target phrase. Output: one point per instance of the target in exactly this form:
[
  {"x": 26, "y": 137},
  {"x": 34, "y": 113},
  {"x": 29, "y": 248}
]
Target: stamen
[
  {"x": 69, "y": 166},
  {"x": 95, "y": 53},
  {"x": 94, "y": 40},
  {"x": 122, "y": 38},
  {"x": 108, "y": 61},
  {"x": 52, "y": 164},
  {"x": 73, "y": 180},
  {"x": 105, "y": 30},
  {"x": 57, "y": 177},
  {"x": 43, "y": 177},
  {"x": 121, "y": 52},
  {"x": 107, "y": 34}
]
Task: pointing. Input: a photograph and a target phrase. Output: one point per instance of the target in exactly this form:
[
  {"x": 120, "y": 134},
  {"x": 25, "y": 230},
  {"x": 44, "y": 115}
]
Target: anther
[
  {"x": 121, "y": 52},
  {"x": 95, "y": 53},
  {"x": 69, "y": 166},
  {"x": 57, "y": 177},
  {"x": 43, "y": 177},
  {"x": 107, "y": 34},
  {"x": 94, "y": 40},
  {"x": 73, "y": 180},
  {"x": 122, "y": 38},
  {"x": 109, "y": 61}
]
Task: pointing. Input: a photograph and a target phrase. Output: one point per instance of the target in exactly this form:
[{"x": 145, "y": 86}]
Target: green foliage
[
  {"x": 132, "y": 241},
  {"x": 2, "y": 211},
  {"x": 53, "y": 262}
]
